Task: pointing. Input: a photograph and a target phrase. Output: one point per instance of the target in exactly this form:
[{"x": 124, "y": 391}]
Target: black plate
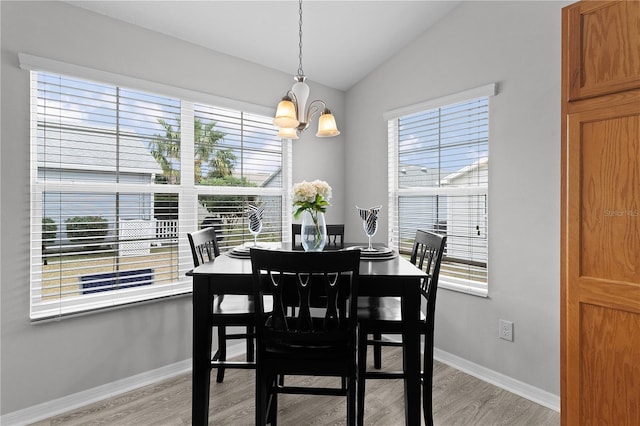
[{"x": 378, "y": 253}]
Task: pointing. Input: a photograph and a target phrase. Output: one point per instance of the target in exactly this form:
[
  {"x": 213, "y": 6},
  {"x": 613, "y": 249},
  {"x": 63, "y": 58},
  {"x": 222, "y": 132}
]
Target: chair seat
[
  {"x": 237, "y": 304},
  {"x": 381, "y": 309}
]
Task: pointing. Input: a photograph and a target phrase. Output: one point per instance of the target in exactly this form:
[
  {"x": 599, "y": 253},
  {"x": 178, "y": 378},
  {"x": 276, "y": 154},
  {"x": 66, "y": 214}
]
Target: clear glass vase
[{"x": 314, "y": 231}]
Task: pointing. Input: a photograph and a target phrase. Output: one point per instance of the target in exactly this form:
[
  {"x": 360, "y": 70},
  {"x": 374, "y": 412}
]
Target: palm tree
[
  {"x": 166, "y": 150},
  {"x": 222, "y": 164},
  {"x": 206, "y": 138}
]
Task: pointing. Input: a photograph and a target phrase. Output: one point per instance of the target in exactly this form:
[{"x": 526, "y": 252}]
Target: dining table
[{"x": 379, "y": 276}]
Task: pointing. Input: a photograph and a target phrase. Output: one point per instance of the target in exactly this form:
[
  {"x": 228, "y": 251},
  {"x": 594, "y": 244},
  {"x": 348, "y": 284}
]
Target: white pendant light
[{"x": 293, "y": 112}]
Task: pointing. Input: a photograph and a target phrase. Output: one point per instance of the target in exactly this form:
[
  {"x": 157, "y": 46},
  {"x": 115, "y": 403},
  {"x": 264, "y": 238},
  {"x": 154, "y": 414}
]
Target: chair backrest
[
  {"x": 204, "y": 245},
  {"x": 329, "y": 279},
  {"x": 428, "y": 250},
  {"x": 335, "y": 234}
]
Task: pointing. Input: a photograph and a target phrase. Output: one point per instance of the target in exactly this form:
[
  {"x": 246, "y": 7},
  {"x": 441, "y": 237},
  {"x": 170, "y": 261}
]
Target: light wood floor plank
[{"x": 458, "y": 399}]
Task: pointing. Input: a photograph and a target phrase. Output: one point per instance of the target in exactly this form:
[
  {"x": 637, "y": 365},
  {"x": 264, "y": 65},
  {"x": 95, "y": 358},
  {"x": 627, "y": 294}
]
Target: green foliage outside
[
  {"x": 87, "y": 230},
  {"x": 166, "y": 149},
  {"x": 49, "y": 231},
  {"x": 227, "y": 180}
]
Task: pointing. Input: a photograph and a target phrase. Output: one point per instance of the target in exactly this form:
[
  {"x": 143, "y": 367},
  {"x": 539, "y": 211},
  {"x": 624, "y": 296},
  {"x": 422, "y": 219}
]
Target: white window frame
[
  {"x": 187, "y": 191},
  {"x": 391, "y": 117}
]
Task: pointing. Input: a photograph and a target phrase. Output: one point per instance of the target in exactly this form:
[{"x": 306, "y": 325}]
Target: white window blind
[
  {"x": 438, "y": 178},
  {"x": 112, "y": 193},
  {"x": 246, "y": 168}
]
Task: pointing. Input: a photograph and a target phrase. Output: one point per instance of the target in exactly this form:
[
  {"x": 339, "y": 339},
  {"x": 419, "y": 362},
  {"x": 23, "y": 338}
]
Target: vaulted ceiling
[{"x": 343, "y": 41}]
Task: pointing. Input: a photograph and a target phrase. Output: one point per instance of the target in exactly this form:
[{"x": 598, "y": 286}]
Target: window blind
[
  {"x": 438, "y": 177},
  {"x": 246, "y": 167},
  {"x": 112, "y": 194}
]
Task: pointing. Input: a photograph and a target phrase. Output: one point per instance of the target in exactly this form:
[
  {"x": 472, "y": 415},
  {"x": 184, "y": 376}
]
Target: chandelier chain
[{"x": 300, "y": 71}]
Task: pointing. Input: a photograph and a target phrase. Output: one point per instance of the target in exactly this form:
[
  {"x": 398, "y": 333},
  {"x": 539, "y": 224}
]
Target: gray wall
[
  {"x": 43, "y": 362},
  {"x": 517, "y": 45}
]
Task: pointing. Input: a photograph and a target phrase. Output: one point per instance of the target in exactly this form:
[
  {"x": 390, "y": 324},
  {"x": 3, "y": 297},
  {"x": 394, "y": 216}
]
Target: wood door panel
[
  {"x": 610, "y": 197},
  {"x": 609, "y": 366},
  {"x": 604, "y": 54},
  {"x": 615, "y": 295},
  {"x": 604, "y": 191}
]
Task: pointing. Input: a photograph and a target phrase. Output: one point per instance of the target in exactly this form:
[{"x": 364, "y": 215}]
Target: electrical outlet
[{"x": 505, "y": 330}]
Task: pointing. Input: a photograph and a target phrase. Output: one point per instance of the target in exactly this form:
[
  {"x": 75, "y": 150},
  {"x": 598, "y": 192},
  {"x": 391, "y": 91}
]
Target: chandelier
[{"x": 293, "y": 114}]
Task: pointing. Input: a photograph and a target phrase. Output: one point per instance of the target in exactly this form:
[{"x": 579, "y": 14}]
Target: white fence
[{"x": 137, "y": 236}]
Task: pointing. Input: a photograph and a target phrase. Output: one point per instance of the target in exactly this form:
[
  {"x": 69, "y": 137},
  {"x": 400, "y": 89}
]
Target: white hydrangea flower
[
  {"x": 322, "y": 188},
  {"x": 304, "y": 192}
]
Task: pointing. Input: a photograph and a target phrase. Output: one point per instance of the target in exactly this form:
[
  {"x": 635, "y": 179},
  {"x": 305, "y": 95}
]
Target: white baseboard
[
  {"x": 80, "y": 399},
  {"x": 89, "y": 396},
  {"x": 532, "y": 393}
]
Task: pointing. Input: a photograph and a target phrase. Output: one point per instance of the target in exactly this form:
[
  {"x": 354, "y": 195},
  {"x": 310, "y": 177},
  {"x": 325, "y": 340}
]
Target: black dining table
[{"x": 228, "y": 274}]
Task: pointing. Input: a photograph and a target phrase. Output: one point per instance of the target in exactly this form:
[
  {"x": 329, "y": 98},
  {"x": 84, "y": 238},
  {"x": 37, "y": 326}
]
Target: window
[
  {"x": 438, "y": 176},
  {"x": 118, "y": 179}
]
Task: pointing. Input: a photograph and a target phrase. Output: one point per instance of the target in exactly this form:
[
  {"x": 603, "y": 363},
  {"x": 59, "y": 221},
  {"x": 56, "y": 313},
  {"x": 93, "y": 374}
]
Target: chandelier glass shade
[
  {"x": 288, "y": 133},
  {"x": 286, "y": 116},
  {"x": 293, "y": 115}
]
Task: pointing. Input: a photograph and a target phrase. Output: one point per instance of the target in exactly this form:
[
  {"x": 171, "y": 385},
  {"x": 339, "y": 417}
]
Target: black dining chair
[
  {"x": 316, "y": 340},
  {"x": 383, "y": 315},
  {"x": 335, "y": 235},
  {"x": 226, "y": 310}
]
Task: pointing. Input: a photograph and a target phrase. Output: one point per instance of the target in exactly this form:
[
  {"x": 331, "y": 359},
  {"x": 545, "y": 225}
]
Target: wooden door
[{"x": 600, "y": 246}]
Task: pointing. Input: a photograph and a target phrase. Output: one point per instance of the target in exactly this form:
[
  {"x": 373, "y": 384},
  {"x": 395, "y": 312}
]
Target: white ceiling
[{"x": 343, "y": 41}]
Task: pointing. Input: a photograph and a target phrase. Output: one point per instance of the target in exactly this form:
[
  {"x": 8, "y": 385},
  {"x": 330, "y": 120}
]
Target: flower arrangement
[{"x": 311, "y": 196}]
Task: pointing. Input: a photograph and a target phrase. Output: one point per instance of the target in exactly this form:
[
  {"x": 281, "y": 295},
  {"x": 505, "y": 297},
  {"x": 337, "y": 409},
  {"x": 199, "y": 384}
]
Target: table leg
[
  {"x": 201, "y": 351},
  {"x": 411, "y": 338}
]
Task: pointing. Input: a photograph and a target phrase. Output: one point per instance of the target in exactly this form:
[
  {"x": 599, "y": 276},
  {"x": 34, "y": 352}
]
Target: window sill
[
  {"x": 472, "y": 289},
  {"x": 56, "y": 311}
]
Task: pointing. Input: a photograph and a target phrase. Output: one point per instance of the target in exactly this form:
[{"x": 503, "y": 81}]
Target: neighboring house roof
[
  {"x": 75, "y": 148},
  {"x": 478, "y": 165},
  {"x": 265, "y": 183},
  {"x": 412, "y": 175}
]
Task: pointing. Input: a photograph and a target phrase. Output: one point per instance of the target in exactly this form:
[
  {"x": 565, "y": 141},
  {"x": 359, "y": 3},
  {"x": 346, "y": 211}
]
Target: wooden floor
[{"x": 458, "y": 399}]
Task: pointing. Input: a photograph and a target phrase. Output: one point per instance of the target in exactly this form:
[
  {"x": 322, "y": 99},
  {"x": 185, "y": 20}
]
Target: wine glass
[
  {"x": 369, "y": 222},
  {"x": 255, "y": 214}
]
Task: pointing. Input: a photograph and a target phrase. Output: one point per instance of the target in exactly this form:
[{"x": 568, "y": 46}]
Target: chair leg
[
  {"x": 250, "y": 344},
  {"x": 261, "y": 398},
  {"x": 377, "y": 352},
  {"x": 362, "y": 370},
  {"x": 272, "y": 402},
  {"x": 351, "y": 402},
  {"x": 222, "y": 349},
  {"x": 427, "y": 381}
]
